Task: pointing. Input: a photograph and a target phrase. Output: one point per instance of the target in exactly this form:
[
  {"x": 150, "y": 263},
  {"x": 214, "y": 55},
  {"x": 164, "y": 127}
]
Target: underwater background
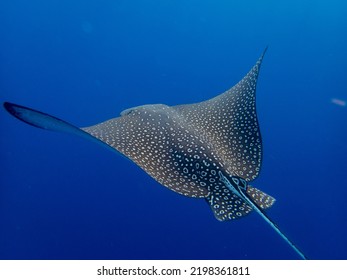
[{"x": 62, "y": 197}]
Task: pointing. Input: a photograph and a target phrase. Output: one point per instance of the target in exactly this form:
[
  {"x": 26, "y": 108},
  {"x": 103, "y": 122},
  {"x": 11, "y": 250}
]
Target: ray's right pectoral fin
[
  {"x": 46, "y": 121},
  {"x": 260, "y": 198}
]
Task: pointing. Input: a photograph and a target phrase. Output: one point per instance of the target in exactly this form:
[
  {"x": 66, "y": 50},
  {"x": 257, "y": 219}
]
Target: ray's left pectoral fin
[
  {"x": 260, "y": 198},
  {"x": 48, "y": 122}
]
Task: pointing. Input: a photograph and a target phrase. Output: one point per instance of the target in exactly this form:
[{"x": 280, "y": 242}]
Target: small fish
[{"x": 211, "y": 150}]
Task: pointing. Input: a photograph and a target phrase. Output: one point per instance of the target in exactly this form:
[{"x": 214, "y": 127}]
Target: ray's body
[{"x": 210, "y": 150}]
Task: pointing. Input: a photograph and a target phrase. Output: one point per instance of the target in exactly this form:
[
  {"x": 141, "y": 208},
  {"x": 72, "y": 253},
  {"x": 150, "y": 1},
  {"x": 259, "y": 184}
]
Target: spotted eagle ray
[{"x": 209, "y": 150}]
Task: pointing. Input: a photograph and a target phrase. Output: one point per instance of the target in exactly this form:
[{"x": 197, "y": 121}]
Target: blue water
[{"x": 62, "y": 197}]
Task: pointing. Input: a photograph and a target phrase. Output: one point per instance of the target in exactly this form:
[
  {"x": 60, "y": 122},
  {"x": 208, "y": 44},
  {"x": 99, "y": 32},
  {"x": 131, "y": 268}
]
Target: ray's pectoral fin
[{"x": 46, "y": 121}]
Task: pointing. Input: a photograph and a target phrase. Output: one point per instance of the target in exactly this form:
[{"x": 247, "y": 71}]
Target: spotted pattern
[
  {"x": 227, "y": 206},
  {"x": 230, "y": 124},
  {"x": 184, "y": 147},
  {"x": 157, "y": 139},
  {"x": 260, "y": 198}
]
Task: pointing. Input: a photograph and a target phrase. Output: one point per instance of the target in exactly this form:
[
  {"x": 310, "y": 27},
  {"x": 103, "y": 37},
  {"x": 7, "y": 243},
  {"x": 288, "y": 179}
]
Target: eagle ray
[{"x": 211, "y": 150}]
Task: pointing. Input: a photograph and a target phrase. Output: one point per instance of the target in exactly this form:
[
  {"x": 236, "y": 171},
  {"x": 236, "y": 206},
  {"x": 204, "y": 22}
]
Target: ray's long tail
[{"x": 274, "y": 226}]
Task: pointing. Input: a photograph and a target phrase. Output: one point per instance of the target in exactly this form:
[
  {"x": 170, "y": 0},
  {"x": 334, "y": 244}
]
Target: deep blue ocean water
[{"x": 62, "y": 197}]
